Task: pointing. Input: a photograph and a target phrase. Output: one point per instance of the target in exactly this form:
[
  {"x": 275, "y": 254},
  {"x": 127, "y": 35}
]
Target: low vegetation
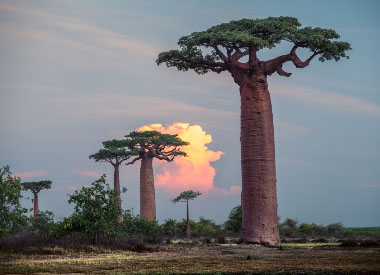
[{"x": 101, "y": 238}]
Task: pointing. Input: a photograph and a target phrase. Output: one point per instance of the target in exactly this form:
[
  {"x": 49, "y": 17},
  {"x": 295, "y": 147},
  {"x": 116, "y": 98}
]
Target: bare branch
[
  {"x": 221, "y": 55},
  {"x": 302, "y": 64},
  {"x": 275, "y": 64},
  {"x": 281, "y": 72},
  {"x": 134, "y": 160}
]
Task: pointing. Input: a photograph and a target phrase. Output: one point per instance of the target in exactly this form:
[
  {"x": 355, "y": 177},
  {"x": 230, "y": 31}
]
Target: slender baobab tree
[
  {"x": 152, "y": 144},
  {"x": 115, "y": 153},
  {"x": 233, "y": 47},
  {"x": 36, "y": 187},
  {"x": 186, "y": 196}
]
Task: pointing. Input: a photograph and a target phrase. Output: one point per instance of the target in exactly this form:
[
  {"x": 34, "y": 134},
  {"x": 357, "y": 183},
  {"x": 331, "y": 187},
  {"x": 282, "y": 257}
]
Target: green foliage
[
  {"x": 12, "y": 215},
  {"x": 206, "y": 227},
  {"x": 36, "y": 186},
  {"x": 290, "y": 223},
  {"x": 254, "y": 34},
  {"x": 44, "y": 223},
  {"x": 233, "y": 223},
  {"x": 182, "y": 225},
  {"x": 290, "y": 228},
  {"x": 156, "y": 144},
  {"x": 170, "y": 228},
  {"x": 186, "y": 196},
  {"x": 114, "y": 152},
  {"x": 335, "y": 229},
  {"x": 135, "y": 225},
  {"x": 96, "y": 211}
]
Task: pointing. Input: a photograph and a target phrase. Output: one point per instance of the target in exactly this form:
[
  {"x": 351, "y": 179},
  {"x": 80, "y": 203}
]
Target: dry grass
[{"x": 187, "y": 258}]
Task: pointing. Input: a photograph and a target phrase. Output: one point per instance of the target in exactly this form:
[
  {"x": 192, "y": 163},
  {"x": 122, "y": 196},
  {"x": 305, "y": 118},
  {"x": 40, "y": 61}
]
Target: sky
[{"x": 76, "y": 73}]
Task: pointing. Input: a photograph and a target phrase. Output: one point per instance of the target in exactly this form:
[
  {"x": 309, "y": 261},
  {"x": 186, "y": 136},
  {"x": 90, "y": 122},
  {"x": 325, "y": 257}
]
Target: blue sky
[{"x": 74, "y": 74}]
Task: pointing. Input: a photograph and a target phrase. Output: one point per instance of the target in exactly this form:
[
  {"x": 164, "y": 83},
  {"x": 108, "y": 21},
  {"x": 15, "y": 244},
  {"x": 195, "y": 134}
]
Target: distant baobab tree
[
  {"x": 150, "y": 145},
  {"x": 115, "y": 152},
  {"x": 186, "y": 196},
  {"x": 36, "y": 187},
  {"x": 230, "y": 43}
]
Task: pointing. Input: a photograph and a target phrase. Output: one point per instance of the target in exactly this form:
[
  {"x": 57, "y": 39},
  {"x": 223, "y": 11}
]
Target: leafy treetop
[
  {"x": 114, "y": 152},
  {"x": 186, "y": 196},
  {"x": 36, "y": 186},
  {"x": 155, "y": 144},
  {"x": 96, "y": 211},
  {"x": 246, "y": 37},
  {"x": 12, "y": 214}
]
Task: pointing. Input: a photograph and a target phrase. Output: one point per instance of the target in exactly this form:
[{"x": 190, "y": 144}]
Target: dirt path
[{"x": 228, "y": 259}]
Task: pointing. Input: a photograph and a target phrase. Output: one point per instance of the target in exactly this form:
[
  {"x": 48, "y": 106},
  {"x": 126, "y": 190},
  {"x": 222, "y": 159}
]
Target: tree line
[{"x": 96, "y": 218}]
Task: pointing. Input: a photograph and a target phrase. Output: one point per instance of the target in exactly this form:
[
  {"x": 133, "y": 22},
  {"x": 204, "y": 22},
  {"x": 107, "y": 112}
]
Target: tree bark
[
  {"x": 147, "y": 193},
  {"x": 187, "y": 221},
  {"x": 35, "y": 209},
  {"x": 116, "y": 188},
  {"x": 116, "y": 184},
  {"x": 259, "y": 198}
]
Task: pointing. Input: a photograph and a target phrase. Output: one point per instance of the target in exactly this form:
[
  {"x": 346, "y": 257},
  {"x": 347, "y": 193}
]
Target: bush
[
  {"x": 135, "y": 225},
  {"x": 12, "y": 215},
  {"x": 234, "y": 221},
  {"x": 170, "y": 227},
  {"x": 335, "y": 229},
  {"x": 44, "y": 224},
  {"x": 207, "y": 227},
  {"x": 96, "y": 211}
]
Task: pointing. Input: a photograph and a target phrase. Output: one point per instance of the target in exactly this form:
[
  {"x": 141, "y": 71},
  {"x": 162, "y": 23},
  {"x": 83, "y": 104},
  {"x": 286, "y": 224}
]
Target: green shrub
[
  {"x": 96, "y": 211},
  {"x": 135, "y": 225},
  {"x": 170, "y": 227},
  {"x": 207, "y": 227},
  {"x": 12, "y": 215},
  {"x": 44, "y": 224},
  {"x": 233, "y": 223}
]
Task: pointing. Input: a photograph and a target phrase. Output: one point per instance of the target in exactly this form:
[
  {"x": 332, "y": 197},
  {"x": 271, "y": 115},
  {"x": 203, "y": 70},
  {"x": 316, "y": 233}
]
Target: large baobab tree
[
  {"x": 233, "y": 47},
  {"x": 186, "y": 196},
  {"x": 36, "y": 187},
  {"x": 115, "y": 153},
  {"x": 152, "y": 144}
]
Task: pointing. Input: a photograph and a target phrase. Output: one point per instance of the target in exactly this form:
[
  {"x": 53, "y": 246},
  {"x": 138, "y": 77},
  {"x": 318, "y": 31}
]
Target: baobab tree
[
  {"x": 234, "y": 47},
  {"x": 36, "y": 187},
  {"x": 186, "y": 196},
  {"x": 152, "y": 144},
  {"x": 115, "y": 153}
]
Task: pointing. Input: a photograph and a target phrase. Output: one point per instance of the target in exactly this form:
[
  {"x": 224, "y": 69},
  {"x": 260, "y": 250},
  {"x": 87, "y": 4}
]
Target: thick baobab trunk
[
  {"x": 116, "y": 184},
  {"x": 187, "y": 221},
  {"x": 147, "y": 194},
  {"x": 259, "y": 196},
  {"x": 35, "y": 200}
]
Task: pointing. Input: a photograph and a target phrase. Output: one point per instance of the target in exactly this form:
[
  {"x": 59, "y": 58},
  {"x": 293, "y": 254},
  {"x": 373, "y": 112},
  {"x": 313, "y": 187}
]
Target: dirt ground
[{"x": 202, "y": 259}]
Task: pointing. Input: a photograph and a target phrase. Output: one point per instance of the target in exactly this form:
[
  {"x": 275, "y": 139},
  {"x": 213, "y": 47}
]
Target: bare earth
[{"x": 202, "y": 259}]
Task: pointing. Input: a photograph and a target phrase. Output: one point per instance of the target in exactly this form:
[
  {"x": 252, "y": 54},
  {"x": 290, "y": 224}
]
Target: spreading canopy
[
  {"x": 114, "y": 152},
  {"x": 186, "y": 196},
  {"x": 36, "y": 186},
  {"x": 229, "y": 42},
  {"x": 155, "y": 144}
]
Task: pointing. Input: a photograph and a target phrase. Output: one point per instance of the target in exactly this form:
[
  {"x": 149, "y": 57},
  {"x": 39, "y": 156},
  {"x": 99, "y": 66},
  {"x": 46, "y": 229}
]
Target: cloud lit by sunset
[{"x": 194, "y": 171}]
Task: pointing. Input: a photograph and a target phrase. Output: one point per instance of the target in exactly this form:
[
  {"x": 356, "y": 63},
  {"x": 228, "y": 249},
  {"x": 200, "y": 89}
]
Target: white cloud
[
  {"x": 335, "y": 101},
  {"x": 85, "y": 30}
]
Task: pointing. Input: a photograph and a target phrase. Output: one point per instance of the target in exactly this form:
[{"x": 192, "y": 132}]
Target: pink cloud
[
  {"x": 31, "y": 174},
  {"x": 194, "y": 171},
  {"x": 90, "y": 174}
]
